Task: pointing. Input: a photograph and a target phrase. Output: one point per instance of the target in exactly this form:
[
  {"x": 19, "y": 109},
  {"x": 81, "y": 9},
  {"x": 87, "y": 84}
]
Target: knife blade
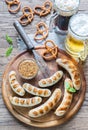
[{"x": 40, "y": 61}]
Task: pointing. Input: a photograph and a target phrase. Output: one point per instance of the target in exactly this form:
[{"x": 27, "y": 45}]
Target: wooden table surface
[{"x": 7, "y": 121}]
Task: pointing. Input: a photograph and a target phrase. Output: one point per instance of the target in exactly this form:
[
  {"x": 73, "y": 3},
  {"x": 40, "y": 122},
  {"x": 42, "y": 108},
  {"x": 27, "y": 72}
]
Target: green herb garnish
[
  {"x": 9, "y": 40},
  {"x": 9, "y": 50},
  {"x": 69, "y": 88}
]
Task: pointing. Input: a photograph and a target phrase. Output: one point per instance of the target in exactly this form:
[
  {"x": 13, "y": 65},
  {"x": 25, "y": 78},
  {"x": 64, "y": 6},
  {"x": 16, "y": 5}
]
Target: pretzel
[
  {"x": 51, "y": 51},
  {"x": 43, "y": 10},
  {"x": 42, "y": 30},
  {"x": 48, "y": 5},
  {"x": 27, "y": 15},
  {"x": 12, "y": 3},
  {"x": 36, "y": 10}
]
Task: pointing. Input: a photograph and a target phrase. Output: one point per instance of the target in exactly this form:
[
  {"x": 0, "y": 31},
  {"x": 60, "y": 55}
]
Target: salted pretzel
[
  {"x": 42, "y": 30},
  {"x": 44, "y": 9},
  {"x": 27, "y": 16},
  {"x": 12, "y": 3},
  {"x": 51, "y": 50}
]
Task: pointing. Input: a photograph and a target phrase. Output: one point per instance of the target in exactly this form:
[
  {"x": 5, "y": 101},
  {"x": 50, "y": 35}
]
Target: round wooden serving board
[{"x": 49, "y": 119}]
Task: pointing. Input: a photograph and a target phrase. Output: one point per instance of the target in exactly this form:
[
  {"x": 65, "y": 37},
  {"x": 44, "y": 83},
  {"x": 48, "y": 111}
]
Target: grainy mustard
[{"x": 28, "y": 68}]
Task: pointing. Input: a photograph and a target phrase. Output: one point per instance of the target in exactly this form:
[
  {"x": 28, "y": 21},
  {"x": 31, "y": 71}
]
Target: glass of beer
[
  {"x": 77, "y": 38},
  {"x": 64, "y": 9}
]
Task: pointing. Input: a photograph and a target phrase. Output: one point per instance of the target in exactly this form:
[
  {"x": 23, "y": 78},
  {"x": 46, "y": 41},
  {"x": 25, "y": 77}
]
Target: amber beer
[{"x": 77, "y": 34}]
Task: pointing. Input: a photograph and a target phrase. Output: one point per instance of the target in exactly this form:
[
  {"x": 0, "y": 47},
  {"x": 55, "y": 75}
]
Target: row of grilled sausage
[{"x": 39, "y": 92}]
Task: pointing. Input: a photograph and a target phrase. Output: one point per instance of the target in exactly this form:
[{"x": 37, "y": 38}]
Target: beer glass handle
[
  {"x": 51, "y": 22},
  {"x": 83, "y": 54},
  {"x": 53, "y": 16}
]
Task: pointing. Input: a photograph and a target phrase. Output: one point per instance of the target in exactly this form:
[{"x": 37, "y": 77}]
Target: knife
[{"x": 40, "y": 61}]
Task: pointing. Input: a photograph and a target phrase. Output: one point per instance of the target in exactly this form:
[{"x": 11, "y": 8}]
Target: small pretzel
[
  {"x": 27, "y": 16},
  {"x": 43, "y": 10},
  {"x": 42, "y": 30},
  {"x": 38, "y": 10},
  {"x": 12, "y": 3},
  {"x": 51, "y": 51},
  {"x": 48, "y": 5}
]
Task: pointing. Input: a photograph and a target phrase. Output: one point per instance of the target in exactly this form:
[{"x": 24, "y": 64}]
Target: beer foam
[
  {"x": 79, "y": 25},
  {"x": 67, "y": 6}
]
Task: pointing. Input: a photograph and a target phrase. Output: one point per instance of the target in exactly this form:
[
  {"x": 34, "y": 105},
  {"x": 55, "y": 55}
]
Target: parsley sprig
[
  {"x": 69, "y": 88},
  {"x": 10, "y": 48},
  {"x": 9, "y": 39}
]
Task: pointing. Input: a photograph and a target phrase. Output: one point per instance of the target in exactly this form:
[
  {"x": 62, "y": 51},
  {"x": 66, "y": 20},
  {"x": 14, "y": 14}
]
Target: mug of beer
[
  {"x": 64, "y": 10},
  {"x": 77, "y": 38}
]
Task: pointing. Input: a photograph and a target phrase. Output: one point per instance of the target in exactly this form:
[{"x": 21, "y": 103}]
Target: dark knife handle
[{"x": 23, "y": 35}]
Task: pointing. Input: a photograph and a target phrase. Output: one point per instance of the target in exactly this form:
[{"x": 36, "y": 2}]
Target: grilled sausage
[
  {"x": 14, "y": 84},
  {"x": 25, "y": 102},
  {"x": 36, "y": 91},
  {"x": 51, "y": 80},
  {"x": 47, "y": 106},
  {"x": 72, "y": 70},
  {"x": 66, "y": 102}
]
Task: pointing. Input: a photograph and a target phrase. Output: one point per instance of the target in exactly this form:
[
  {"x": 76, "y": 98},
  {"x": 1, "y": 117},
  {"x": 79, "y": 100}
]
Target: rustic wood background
[{"x": 7, "y": 121}]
